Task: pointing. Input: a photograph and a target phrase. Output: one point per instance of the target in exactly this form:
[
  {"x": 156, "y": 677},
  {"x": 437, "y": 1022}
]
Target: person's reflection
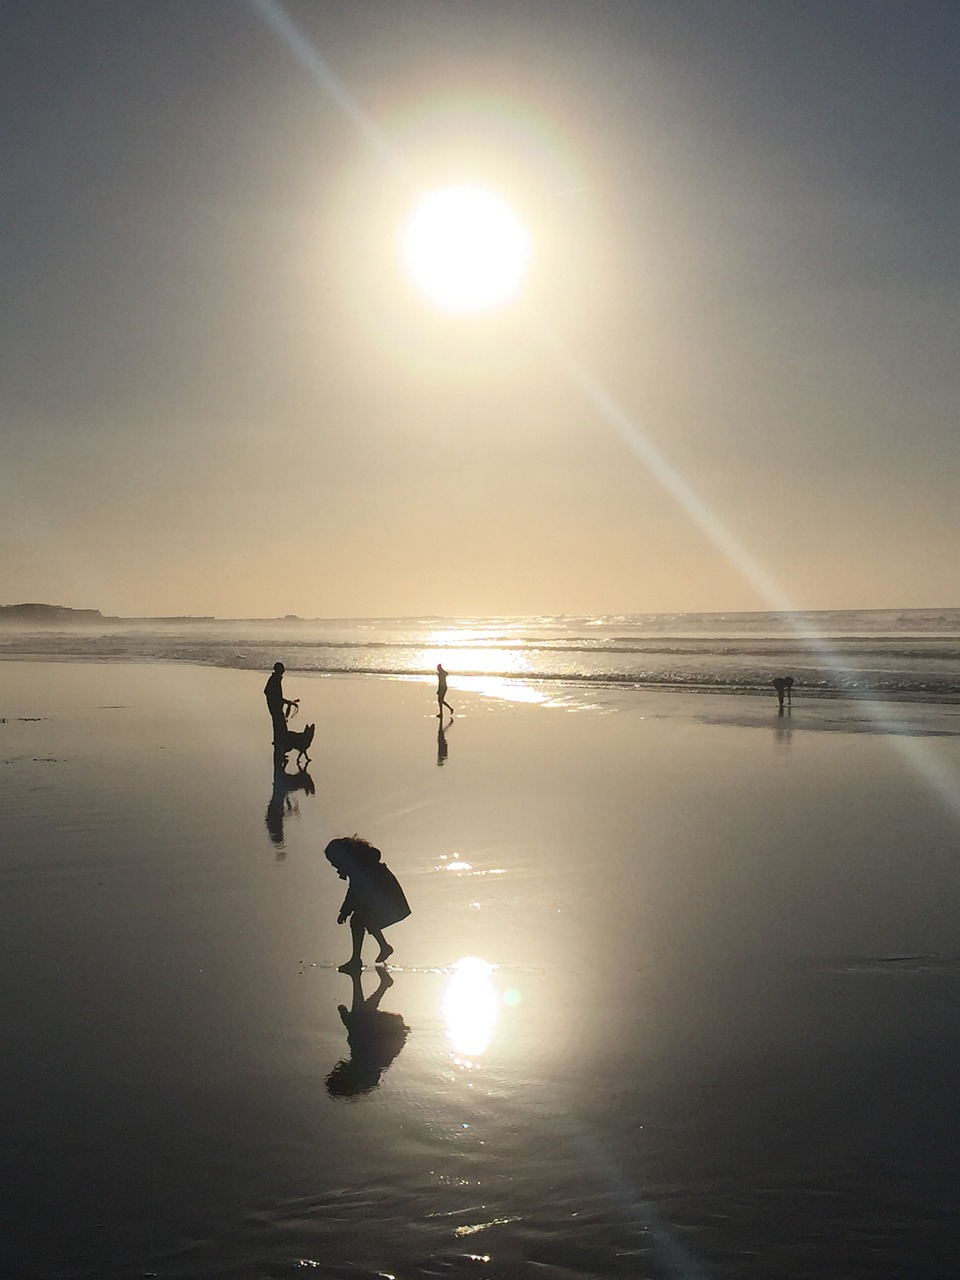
[
  {"x": 442, "y": 742},
  {"x": 280, "y": 803},
  {"x": 783, "y": 729},
  {"x": 375, "y": 1038}
]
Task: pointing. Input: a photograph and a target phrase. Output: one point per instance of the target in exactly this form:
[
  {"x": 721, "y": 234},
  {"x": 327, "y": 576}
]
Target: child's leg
[
  {"x": 357, "y": 931},
  {"x": 385, "y": 947}
]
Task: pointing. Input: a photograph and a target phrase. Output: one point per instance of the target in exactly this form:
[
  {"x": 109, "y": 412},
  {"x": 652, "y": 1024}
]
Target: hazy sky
[{"x": 219, "y": 394}]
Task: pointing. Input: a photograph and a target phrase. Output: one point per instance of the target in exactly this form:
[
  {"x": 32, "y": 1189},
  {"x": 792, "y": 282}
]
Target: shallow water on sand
[{"x": 711, "y": 1031}]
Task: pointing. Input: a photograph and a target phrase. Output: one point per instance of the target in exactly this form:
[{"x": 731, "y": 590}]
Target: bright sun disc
[{"x": 465, "y": 248}]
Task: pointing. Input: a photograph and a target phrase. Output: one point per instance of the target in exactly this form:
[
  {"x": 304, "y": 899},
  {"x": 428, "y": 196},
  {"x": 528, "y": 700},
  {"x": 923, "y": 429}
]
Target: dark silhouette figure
[
  {"x": 294, "y": 740},
  {"x": 375, "y": 1038},
  {"x": 442, "y": 692},
  {"x": 278, "y": 706},
  {"x": 280, "y": 803},
  {"x": 374, "y": 899},
  {"x": 442, "y": 743},
  {"x": 783, "y": 686}
]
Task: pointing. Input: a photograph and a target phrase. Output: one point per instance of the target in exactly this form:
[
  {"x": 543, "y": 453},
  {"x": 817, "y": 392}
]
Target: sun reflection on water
[
  {"x": 493, "y": 670},
  {"x": 476, "y": 660},
  {"x": 470, "y": 1008}
]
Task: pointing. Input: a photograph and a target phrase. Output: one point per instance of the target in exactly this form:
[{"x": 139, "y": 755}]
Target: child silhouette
[{"x": 374, "y": 899}]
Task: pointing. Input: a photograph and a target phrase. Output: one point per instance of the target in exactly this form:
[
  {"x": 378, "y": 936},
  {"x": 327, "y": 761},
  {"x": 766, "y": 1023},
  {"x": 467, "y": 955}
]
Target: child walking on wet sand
[{"x": 374, "y": 899}]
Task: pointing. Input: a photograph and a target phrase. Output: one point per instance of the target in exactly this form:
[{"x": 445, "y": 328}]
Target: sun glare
[
  {"x": 465, "y": 249},
  {"x": 470, "y": 1006}
]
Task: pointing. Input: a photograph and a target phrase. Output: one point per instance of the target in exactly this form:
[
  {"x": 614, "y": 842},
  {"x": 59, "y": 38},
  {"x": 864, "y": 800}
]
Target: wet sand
[{"x": 717, "y": 1033}]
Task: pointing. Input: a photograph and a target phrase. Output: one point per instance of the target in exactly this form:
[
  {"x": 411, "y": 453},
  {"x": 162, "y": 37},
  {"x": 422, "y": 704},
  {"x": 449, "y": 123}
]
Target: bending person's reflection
[
  {"x": 375, "y": 1038},
  {"x": 280, "y": 803}
]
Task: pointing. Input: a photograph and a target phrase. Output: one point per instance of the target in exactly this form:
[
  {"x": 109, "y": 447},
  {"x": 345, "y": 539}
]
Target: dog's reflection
[
  {"x": 375, "y": 1038},
  {"x": 280, "y": 803}
]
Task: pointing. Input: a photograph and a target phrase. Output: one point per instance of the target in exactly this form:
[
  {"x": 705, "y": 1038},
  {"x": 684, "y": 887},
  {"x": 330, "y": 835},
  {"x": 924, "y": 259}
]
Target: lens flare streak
[{"x": 916, "y": 754}]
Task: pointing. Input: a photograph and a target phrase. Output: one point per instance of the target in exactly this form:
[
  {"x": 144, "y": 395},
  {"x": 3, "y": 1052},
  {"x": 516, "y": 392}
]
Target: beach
[{"x": 707, "y": 1024}]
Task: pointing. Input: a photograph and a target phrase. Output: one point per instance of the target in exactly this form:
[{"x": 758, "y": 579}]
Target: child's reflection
[{"x": 375, "y": 1038}]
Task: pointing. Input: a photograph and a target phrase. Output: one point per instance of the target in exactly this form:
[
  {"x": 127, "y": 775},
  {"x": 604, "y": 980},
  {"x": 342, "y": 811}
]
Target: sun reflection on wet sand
[
  {"x": 499, "y": 687},
  {"x": 470, "y": 1009},
  {"x": 460, "y": 866}
]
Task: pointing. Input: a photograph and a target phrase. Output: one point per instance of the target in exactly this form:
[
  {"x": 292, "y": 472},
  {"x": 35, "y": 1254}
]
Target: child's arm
[{"x": 346, "y": 909}]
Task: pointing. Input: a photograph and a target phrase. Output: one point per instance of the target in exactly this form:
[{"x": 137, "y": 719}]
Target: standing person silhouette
[
  {"x": 442, "y": 692},
  {"x": 277, "y": 704}
]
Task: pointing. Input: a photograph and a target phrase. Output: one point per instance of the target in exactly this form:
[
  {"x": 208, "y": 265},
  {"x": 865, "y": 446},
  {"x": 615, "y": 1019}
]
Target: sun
[{"x": 465, "y": 249}]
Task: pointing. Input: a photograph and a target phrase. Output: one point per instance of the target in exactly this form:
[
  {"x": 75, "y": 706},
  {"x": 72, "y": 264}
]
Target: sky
[{"x": 730, "y": 380}]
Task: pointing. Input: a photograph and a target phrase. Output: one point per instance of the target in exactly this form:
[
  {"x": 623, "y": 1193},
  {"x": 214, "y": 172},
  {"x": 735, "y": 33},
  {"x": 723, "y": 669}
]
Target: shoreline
[
  {"x": 748, "y": 707},
  {"x": 885, "y": 660}
]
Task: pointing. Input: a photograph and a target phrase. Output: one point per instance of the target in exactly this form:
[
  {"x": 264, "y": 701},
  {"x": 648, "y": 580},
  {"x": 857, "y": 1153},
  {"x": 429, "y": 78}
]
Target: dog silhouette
[{"x": 298, "y": 741}]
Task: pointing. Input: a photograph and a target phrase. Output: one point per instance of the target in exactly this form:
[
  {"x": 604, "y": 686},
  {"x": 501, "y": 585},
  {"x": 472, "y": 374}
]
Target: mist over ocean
[{"x": 909, "y": 655}]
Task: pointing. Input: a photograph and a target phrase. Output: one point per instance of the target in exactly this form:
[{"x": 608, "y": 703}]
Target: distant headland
[
  {"x": 49, "y": 614},
  {"x": 59, "y": 615}
]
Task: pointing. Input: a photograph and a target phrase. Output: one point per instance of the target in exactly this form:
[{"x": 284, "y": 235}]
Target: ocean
[{"x": 890, "y": 654}]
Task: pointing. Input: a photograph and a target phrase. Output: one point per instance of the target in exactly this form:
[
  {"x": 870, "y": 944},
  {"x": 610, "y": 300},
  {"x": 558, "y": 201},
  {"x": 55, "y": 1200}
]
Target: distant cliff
[
  {"x": 48, "y": 615},
  {"x": 60, "y": 615}
]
